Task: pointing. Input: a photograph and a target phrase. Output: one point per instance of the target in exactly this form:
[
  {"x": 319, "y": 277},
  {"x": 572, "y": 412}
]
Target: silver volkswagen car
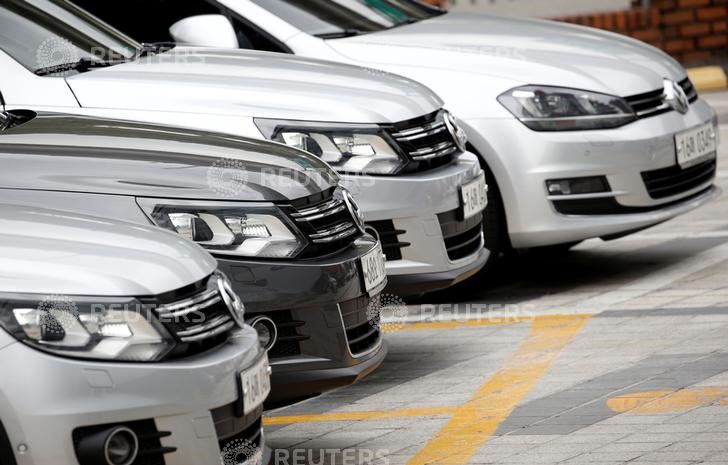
[
  {"x": 582, "y": 133},
  {"x": 92, "y": 371}
]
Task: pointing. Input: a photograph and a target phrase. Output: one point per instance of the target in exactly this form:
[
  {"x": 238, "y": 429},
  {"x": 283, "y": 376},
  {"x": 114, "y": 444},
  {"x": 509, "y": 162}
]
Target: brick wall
[{"x": 693, "y": 31}]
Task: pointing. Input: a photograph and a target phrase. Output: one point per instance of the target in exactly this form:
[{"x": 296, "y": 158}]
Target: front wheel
[{"x": 495, "y": 226}]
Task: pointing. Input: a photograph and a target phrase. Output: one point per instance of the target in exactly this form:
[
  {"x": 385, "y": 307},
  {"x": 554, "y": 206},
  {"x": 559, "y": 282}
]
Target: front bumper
[
  {"x": 45, "y": 399},
  {"x": 319, "y": 307},
  {"x": 410, "y": 213},
  {"x": 523, "y": 160}
]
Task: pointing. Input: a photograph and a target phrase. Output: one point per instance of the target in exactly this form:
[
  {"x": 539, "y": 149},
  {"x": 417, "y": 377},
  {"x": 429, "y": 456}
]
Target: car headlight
[
  {"x": 86, "y": 327},
  {"x": 545, "y": 108},
  {"x": 228, "y": 228},
  {"x": 352, "y": 149}
]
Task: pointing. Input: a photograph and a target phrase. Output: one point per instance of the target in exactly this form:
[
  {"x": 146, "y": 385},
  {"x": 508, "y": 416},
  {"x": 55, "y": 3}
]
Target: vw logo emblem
[
  {"x": 457, "y": 133},
  {"x": 354, "y": 209},
  {"x": 231, "y": 299},
  {"x": 675, "y": 96}
]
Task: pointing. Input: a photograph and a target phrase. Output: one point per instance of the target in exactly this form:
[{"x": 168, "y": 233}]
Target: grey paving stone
[
  {"x": 633, "y": 447},
  {"x": 654, "y": 437},
  {"x": 664, "y": 312},
  {"x": 702, "y": 446},
  {"x": 615, "y": 456},
  {"x": 674, "y": 456}
]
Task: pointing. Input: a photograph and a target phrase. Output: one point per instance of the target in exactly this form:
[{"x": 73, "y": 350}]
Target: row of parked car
[{"x": 191, "y": 232}]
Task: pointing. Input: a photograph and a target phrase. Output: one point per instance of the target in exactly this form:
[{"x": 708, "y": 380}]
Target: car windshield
[
  {"x": 42, "y": 34},
  {"x": 341, "y": 18}
]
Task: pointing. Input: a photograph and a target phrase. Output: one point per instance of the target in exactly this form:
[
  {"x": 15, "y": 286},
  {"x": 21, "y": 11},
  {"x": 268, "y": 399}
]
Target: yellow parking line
[
  {"x": 476, "y": 421},
  {"x": 359, "y": 416},
  {"x": 462, "y": 324},
  {"x": 667, "y": 401}
]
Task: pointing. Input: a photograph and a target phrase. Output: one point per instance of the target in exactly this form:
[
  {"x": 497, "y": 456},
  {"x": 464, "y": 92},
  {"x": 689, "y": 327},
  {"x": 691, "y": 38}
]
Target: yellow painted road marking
[
  {"x": 476, "y": 421},
  {"x": 667, "y": 401},
  {"x": 465, "y": 324},
  {"x": 404, "y": 413},
  {"x": 360, "y": 416}
]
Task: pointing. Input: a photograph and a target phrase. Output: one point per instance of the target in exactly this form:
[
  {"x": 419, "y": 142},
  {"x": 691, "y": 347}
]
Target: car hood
[
  {"x": 255, "y": 84},
  {"x": 520, "y": 51},
  {"x": 103, "y": 156},
  {"x": 48, "y": 253}
]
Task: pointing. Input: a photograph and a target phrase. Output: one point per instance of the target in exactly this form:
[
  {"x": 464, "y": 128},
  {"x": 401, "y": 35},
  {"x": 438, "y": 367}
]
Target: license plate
[
  {"x": 474, "y": 197},
  {"x": 695, "y": 146},
  {"x": 374, "y": 267},
  {"x": 255, "y": 384}
]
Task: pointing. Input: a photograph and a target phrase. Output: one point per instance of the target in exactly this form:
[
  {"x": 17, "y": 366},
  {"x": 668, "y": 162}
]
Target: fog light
[
  {"x": 573, "y": 186},
  {"x": 267, "y": 331},
  {"x": 122, "y": 447},
  {"x": 113, "y": 446}
]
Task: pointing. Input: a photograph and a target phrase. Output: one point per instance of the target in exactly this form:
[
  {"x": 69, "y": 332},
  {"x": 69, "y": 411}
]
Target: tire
[{"x": 495, "y": 225}]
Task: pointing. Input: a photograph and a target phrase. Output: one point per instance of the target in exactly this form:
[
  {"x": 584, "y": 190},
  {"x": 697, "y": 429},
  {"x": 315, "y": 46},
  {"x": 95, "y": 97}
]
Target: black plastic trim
[
  {"x": 416, "y": 284},
  {"x": 7, "y": 456},
  {"x": 610, "y": 206}
]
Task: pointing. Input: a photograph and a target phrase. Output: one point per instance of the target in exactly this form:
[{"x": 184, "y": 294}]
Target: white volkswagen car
[
  {"x": 400, "y": 153},
  {"x": 582, "y": 133},
  {"x": 93, "y": 368}
]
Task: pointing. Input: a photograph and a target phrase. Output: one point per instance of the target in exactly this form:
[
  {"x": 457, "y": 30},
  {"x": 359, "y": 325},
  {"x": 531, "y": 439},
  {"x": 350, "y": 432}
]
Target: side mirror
[{"x": 206, "y": 31}]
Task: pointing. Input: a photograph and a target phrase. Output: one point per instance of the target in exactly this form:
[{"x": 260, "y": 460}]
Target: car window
[
  {"x": 146, "y": 20},
  {"x": 331, "y": 18},
  {"x": 44, "y": 33},
  {"x": 159, "y": 15}
]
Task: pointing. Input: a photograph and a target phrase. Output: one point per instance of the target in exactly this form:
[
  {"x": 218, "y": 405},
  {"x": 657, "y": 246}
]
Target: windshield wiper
[
  {"x": 155, "y": 48},
  {"x": 340, "y": 34},
  {"x": 82, "y": 65},
  {"x": 6, "y": 119}
]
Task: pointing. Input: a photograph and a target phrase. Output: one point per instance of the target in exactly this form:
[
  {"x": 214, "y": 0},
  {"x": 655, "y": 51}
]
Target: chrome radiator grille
[
  {"x": 426, "y": 141},
  {"x": 653, "y": 103}
]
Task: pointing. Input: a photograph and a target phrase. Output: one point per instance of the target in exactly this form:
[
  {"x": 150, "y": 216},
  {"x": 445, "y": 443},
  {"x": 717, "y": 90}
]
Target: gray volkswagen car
[
  {"x": 98, "y": 364},
  {"x": 285, "y": 233}
]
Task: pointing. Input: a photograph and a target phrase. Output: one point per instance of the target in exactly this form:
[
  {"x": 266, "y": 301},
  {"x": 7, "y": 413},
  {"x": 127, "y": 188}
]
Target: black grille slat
[
  {"x": 156, "y": 452},
  {"x": 653, "y": 103},
  {"x": 648, "y": 104},
  {"x": 426, "y": 141},
  {"x": 362, "y": 334},
  {"x": 690, "y": 90},
  {"x": 389, "y": 238},
  {"x": 196, "y": 317},
  {"x": 468, "y": 243},
  {"x": 251, "y": 437},
  {"x": 674, "y": 180},
  {"x": 462, "y": 238},
  {"x": 290, "y": 333},
  {"x": 326, "y": 222},
  {"x": 366, "y": 331},
  {"x": 610, "y": 206}
]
